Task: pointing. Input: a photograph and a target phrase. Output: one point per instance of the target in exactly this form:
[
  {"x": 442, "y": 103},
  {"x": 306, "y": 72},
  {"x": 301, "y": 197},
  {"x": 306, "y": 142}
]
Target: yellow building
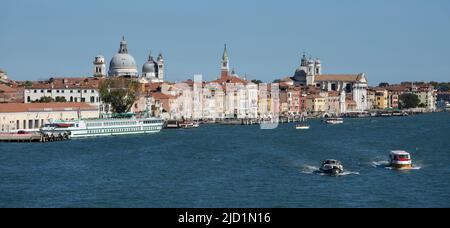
[
  {"x": 381, "y": 99},
  {"x": 316, "y": 103}
]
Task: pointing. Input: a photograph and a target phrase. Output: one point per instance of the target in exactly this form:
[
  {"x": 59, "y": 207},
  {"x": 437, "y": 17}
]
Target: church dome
[
  {"x": 123, "y": 64},
  {"x": 150, "y": 66},
  {"x": 122, "y": 61}
]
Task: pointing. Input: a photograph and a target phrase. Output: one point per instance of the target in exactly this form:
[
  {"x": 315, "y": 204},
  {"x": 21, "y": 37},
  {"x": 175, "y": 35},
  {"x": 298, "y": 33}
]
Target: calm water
[{"x": 235, "y": 166}]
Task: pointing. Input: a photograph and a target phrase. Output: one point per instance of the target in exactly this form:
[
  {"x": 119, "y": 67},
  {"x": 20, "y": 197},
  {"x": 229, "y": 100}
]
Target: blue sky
[{"x": 389, "y": 40}]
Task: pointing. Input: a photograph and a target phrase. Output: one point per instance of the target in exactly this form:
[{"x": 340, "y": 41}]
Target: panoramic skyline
[{"x": 391, "y": 41}]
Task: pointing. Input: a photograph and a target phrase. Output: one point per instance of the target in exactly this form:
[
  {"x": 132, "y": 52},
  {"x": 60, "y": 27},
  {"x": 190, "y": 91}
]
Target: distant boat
[
  {"x": 400, "y": 159},
  {"x": 303, "y": 125},
  {"x": 189, "y": 125},
  {"x": 332, "y": 167},
  {"x": 334, "y": 121}
]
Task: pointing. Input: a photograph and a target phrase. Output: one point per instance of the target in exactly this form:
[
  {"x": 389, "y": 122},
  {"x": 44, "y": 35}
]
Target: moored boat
[
  {"x": 334, "y": 121},
  {"x": 332, "y": 167},
  {"x": 400, "y": 159},
  {"x": 102, "y": 127}
]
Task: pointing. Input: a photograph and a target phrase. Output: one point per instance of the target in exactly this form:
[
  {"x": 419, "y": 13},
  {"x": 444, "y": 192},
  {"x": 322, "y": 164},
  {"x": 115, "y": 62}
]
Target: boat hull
[
  {"x": 401, "y": 166},
  {"x": 332, "y": 171}
]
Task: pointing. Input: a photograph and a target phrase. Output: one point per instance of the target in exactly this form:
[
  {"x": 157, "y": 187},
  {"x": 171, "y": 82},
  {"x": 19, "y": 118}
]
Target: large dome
[
  {"x": 123, "y": 64},
  {"x": 122, "y": 61}
]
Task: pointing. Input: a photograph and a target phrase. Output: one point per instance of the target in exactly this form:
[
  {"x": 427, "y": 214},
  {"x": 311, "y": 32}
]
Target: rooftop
[{"x": 44, "y": 107}]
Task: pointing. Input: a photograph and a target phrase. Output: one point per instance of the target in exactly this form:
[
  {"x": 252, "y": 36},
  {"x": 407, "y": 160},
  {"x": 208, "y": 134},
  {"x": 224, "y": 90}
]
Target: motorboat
[
  {"x": 400, "y": 159},
  {"x": 332, "y": 167},
  {"x": 334, "y": 121}
]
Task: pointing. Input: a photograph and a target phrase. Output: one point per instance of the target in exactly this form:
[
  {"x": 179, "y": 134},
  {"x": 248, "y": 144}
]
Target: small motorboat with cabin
[
  {"x": 332, "y": 167},
  {"x": 334, "y": 121},
  {"x": 400, "y": 159}
]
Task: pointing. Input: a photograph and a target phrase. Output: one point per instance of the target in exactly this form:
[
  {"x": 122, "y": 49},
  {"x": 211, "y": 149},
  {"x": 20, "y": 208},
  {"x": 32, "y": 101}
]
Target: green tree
[
  {"x": 28, "y": 84},
  {"x": 443, "y": 87},
  {"x": 60, "y": 99},
  {"x": 409, "y": 100},
  {"x": 45, "y": 100},
  {"x": 277, "y": 81},
  {"x": 256, "y": 81},
  {"x": 120, "y": 93}
]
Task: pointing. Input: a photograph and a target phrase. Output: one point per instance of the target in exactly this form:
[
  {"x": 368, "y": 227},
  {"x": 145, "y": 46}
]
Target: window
[
  {"x": 42, "y": 91},
  {"x": 28, "y": 99},
  {"x": 92, "y": 99},
  {"x": 35, "y": 91},
  {"x": 83, "y": 99},
  {"x": 49, "y": 91}
]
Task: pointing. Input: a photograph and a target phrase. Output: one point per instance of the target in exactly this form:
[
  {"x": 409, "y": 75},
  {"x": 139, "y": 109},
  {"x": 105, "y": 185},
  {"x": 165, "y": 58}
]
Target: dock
[{"x": 31, "y": 137}]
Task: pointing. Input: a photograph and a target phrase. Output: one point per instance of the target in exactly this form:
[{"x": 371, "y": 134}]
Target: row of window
[
  {"x": 73, "y": 99},
  {"x": 63, "y": 91},
  {"x": 119, "y": 130}
]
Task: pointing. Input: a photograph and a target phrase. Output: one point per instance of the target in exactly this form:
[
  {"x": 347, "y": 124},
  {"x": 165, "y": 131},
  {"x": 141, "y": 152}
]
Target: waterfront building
[
  {"x": 315, "y": 103},
  {"x": 333, "y": 103},
  {"x": 83, "y": 90},
  {"x": 371, "y": 99},
  {"x": 26, "y": 116},
  {"x": 310, "y": 74},
  {"x": 427, "y": 95},
  {"x": 381, "y": 98}
]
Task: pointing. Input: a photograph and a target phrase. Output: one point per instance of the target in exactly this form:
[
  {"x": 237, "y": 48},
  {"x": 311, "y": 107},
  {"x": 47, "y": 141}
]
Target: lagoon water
[{"x": 236, "y": 166}]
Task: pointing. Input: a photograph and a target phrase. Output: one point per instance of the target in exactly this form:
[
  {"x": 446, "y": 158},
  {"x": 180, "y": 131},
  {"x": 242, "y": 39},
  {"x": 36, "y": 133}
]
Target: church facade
[{"x": 355, "y": 85}]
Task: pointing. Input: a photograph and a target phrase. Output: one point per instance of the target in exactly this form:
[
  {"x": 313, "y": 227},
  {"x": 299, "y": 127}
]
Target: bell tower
[
  {"x": 99, "y": 66},
  {"x": 225, "y": 68},
  {"x": 160, "y": 67}
]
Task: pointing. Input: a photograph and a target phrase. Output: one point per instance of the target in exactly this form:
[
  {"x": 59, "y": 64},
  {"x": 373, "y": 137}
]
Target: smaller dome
[{"x": 150, "y": 66}]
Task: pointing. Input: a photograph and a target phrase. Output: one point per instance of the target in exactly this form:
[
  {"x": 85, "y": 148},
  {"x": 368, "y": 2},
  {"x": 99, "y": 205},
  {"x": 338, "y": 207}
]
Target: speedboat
[
  {"x": 332, "y": 167},
  {"x": 400, "y": 159},
  {"x": 334, "y": 121}
]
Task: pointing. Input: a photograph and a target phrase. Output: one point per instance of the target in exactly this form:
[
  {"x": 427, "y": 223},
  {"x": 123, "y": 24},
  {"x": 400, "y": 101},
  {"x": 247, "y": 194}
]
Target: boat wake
[
  {"x": 380, "y": 164},
  {"x": 308, "y": 169}
]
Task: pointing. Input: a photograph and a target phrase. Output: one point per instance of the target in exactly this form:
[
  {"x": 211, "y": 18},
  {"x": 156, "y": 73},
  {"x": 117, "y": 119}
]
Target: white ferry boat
[{"x": 103, "y": 127}]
